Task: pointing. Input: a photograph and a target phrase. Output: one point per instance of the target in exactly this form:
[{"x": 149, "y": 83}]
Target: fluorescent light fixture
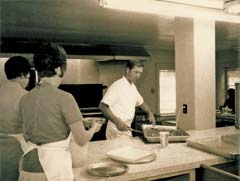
[{"x": 167, "y": 8}]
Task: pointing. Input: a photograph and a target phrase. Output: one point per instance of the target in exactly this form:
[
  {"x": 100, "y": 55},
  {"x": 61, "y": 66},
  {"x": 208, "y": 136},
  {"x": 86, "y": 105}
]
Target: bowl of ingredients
[{"x": 88, "y": 121}]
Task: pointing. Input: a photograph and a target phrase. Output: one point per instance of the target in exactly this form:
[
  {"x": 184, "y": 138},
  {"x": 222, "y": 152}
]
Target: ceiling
[{"x": 85, "y": 22}]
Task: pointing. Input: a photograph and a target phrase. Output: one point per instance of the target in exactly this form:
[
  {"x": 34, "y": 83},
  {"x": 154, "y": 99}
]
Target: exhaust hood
[
  {"x": 103, "y": 53},
  {"x": 85, "y": 51},
  {"x": 127, "y": 53}
]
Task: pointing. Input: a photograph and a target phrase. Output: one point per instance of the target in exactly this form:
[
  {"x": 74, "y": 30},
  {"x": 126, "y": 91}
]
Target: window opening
[{"x": 167, "y": 91}]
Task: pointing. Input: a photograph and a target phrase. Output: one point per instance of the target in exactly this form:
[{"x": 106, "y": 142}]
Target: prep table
[{"x": 175, "y": 159}]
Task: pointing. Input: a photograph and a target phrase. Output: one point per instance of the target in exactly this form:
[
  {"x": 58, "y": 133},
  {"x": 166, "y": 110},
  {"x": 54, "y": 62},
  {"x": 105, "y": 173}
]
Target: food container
[
  {"x": 151, "y": 133},
  {"x": 163, "y": 136},
  {"x": 88, "y": 121}
]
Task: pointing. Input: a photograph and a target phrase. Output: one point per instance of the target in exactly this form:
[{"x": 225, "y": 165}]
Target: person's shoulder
[
  {"x": 116, "y": 82},
  {"x": 63, "y": 93},
  {"x": 62, "y": 96},
  {"x": 19, "y": 91},
  {"x": 121, "y": 81}
]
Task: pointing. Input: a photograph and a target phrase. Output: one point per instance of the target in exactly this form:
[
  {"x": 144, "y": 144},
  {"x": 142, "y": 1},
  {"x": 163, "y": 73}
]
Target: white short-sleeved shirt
[{"x": 122, "y": 98}]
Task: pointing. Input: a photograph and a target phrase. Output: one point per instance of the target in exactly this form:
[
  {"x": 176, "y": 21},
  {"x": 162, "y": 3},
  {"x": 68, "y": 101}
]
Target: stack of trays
[{"x": 131, "y": 154}]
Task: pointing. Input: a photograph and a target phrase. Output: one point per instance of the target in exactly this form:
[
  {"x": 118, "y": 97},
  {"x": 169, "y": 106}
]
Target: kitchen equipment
[
  {"x": 219, "y": 173},
  {"x": 224, "y": 145},
  {"x": 88, "y": 97},
  {"x": 107, "y": 169},
  {"x": 151, "y": 133},
  {"x": 134, "y": 130},
  {"x": 132, "y": 155},
  {"x": 88, "y": 121}
]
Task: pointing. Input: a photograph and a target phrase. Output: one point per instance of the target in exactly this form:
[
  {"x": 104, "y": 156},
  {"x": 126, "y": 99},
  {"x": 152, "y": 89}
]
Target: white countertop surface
[{"x": 176, "y": 157}]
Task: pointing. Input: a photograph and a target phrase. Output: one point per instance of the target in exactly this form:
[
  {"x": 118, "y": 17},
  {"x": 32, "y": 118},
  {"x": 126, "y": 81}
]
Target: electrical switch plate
[{"x": 184, "y": 108}]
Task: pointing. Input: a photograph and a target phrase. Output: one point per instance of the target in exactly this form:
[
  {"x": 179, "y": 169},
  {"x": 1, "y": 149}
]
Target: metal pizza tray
[{"x": 107, "y": 169}]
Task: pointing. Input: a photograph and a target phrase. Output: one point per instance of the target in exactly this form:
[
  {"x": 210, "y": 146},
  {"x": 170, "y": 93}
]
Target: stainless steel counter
[
  {"x": 223, "y": 141},
  {"x": 225, "y": 145}
]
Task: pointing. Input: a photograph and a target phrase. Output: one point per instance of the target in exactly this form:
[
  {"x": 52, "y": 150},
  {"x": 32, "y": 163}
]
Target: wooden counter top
[{"x": 175, "y": 159}]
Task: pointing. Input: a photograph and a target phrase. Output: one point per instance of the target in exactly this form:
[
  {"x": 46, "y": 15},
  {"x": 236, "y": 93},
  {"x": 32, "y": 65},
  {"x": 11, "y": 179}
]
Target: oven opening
[{"x": 88, "y": 97}]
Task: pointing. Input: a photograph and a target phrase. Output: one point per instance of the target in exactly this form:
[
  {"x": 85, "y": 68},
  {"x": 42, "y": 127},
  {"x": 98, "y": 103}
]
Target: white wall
[
  {"x": 148, "y": 83},
  {"x": 110, "y": 71}
]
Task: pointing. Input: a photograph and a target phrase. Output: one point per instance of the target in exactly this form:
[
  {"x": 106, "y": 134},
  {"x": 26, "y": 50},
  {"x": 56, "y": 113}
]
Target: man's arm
[
  {"x": 120, "y": 124},
  {"x": 147, "y": 110}
]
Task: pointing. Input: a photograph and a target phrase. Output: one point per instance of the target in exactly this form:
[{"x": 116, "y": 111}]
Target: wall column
[
  {"x": 238, "y": 54},
  {"x": 195, "y": 73}
]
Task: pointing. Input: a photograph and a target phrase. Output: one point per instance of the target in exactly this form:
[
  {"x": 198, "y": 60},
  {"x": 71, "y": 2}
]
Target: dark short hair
[
  {"x": 16, "y": 66},
  {"x": 48, "y": 57},
  {"x": 134, "y": 63},
  {"x": 231, "y": 92}
]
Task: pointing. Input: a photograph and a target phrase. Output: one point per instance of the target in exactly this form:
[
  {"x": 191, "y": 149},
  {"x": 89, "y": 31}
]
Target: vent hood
[
  {"x": 102, "y": 53},
  {"x": 127, "y": 53},
  {"x": 96, "y": 52}
]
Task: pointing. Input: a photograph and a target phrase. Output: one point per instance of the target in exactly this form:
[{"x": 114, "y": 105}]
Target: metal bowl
[{"x": 88, "y": 121}]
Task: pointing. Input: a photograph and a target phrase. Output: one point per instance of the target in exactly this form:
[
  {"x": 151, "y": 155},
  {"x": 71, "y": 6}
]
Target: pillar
[{"x": 195, "y": 73}]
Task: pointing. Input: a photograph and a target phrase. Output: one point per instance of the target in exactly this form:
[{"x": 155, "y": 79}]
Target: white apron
[
  {"x": 112, "y": 132},
  {"x": 55, "y": 159}
]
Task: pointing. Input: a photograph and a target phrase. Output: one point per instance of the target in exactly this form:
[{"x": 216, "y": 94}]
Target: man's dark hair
[
  {"x": 231, "y": 92},
  {"x": 134, "y": 63},
  {"x": 48, "y": 57},
  {"x": 16, "y": 66}
]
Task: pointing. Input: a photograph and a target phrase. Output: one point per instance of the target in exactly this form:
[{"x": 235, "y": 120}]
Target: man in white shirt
[{"x": 120, "y": 100}]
